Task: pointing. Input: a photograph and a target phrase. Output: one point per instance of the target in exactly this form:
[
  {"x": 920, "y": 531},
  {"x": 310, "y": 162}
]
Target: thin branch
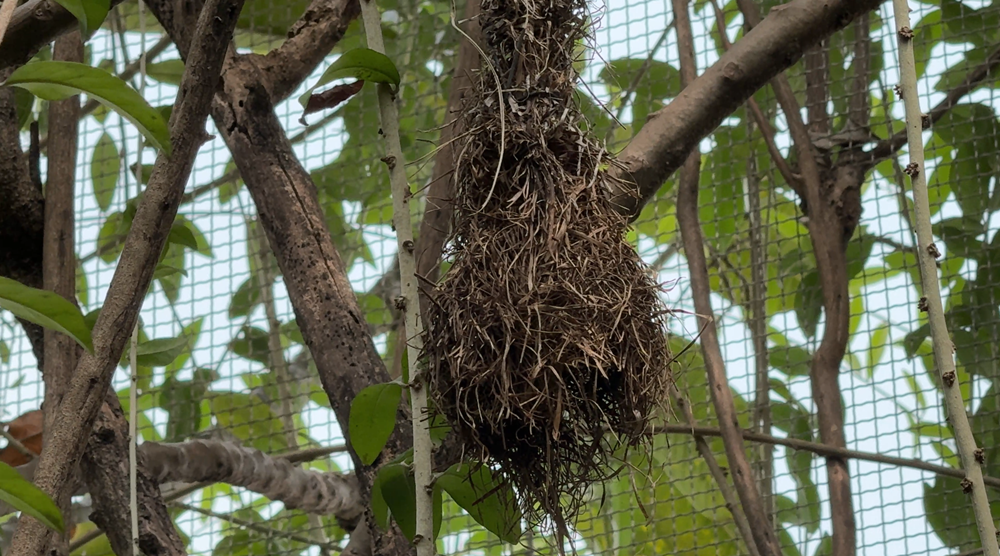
[
  {"x": 761, "y": 533},
  {"x": 172, "y": 495},
  {"x": 152, "y": 222},
  {"x": 11, "y": 441},
  {"x": 971, "y": 455},
  {"x": 278, "y": 364},
  {"x": 58, "y": 252},
  {"x": 626, "y": 96},
  {"x": 766, "y": 129},
  {"x": 756, "y": 294},
  {"x": 825, "y": 231},
  {"x": 859, "y": 110},
  {"x": 323, "y": 546},
  {"x": 35, "y": 24},
  {"x": 972, "y": 80},
  {"x": 732, "y": 500},
  {"x": 826, "y": 450}
]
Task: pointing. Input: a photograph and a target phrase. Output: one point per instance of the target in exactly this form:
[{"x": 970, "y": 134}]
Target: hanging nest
[{"x": 546, "y": 347}]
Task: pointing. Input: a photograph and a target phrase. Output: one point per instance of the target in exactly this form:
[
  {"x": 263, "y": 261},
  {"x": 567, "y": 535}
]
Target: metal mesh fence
[{"x": 223, "y": 303}]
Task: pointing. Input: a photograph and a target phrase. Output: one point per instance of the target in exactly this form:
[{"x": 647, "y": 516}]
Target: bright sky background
[{"x": 888, "y": 500}]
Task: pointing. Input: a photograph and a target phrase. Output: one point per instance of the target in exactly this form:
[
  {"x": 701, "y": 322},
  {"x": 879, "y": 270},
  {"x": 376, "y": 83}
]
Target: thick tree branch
[
  {"x": 153, "y": 219},
  {"x": 326, "y": 307},
  {"x": 59, "y": 253},
  {"x": 35, "y": 24},
  {"x": 663, "y": 144},
  {"x": 22, "y": 220},
  {"x": 105, "y": 467},
  {"x": 310, "y": 40},
  {"x": 276, "y": 478}
]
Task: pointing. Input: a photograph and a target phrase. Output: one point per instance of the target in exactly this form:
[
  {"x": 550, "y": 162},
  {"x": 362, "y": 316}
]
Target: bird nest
[{"x": 546, "y": 347}]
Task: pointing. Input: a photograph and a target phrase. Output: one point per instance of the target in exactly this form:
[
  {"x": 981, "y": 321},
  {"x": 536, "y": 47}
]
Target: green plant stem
[
  {"x": 971, "y": 456},
  {"x": 409, "y": 301}
]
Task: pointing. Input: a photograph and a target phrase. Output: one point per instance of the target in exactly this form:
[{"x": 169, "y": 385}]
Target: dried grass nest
[{"x": 546, "y": 348}]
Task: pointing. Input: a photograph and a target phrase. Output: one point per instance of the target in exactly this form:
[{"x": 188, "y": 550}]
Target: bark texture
[
  {"x": 59, "y": 255},
  {"x": 105, "y": 468},
  {"x": 151, "y": 225}
]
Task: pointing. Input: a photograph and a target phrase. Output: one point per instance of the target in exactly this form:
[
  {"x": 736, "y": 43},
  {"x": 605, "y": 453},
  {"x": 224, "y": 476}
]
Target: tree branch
[
  {"x": 197, "y": 461},
  {"x": 131, "y": 280},
  {"x": 826, "y": 450},
  {"x": 766, "y": 129},
  {"x": 326, "y": 308},
  {"x": 310, "y": 40},
  {"x": 105, "y": 467},
  {"x": 687, "y": 217},
  {"x": 971, "y": 456},
  {"x": 22, "y": 220},
  {"x": 35, "y": 24},
  {"x": 973, "y": 79},
  {"x": 59, "y": 253},
  {"x": 663, "y": 144}
]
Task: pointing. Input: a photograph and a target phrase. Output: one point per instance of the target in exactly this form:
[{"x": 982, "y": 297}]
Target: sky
[{"x": 888, "y": 500}]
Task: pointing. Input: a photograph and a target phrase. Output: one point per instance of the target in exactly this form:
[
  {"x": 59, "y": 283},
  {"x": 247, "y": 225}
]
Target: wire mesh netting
[{"x": 221, "y": 355}]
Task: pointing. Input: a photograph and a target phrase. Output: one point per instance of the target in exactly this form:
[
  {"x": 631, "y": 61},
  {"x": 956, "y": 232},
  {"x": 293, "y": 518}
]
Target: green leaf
[
  {"x": 167, "y": 71},
  {"x": 809, "y": 303},
  {"x": 46, "y": 309},
  {"x": 24, "y": 102},
  {"x": 26, "y": 497},
  {"x": 60, "y": 80},
  {"x": 181, "y": 235},
  {"x": 489, "y": 502},
  {"x": 380, "y": 510},
  {"x": 961, "y": 236},
  {"x": 230, "y": 188},
  {"x": 791, "y": 360},
  {"x": 398, "y": 488},
  {"x": 170, "y": 282},
  {"x": 105, "y": 167},
  {"x": 82, "y": 287},
  {"x": 373, "y": 418},
  {"x": 90, "y": 13},
  {"x": 876, "y": 348},
  {"x": 4, "y": 352},
  {"x": 160, "y": 352},
  {"x": 250, "y": 420},
  {"x": 112, "y": 235},
  {"x": 247, "y": 297},
  {"x": 197, "y": 241},
  {"x": 251, "y": 344},
  {"x": 360, "y": 63},
  {"x": 183, "y": 400}
]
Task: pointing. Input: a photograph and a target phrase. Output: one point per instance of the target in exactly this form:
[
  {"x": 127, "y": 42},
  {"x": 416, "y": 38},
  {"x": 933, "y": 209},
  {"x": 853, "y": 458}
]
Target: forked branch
[{"x": 152, "y": 222}]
